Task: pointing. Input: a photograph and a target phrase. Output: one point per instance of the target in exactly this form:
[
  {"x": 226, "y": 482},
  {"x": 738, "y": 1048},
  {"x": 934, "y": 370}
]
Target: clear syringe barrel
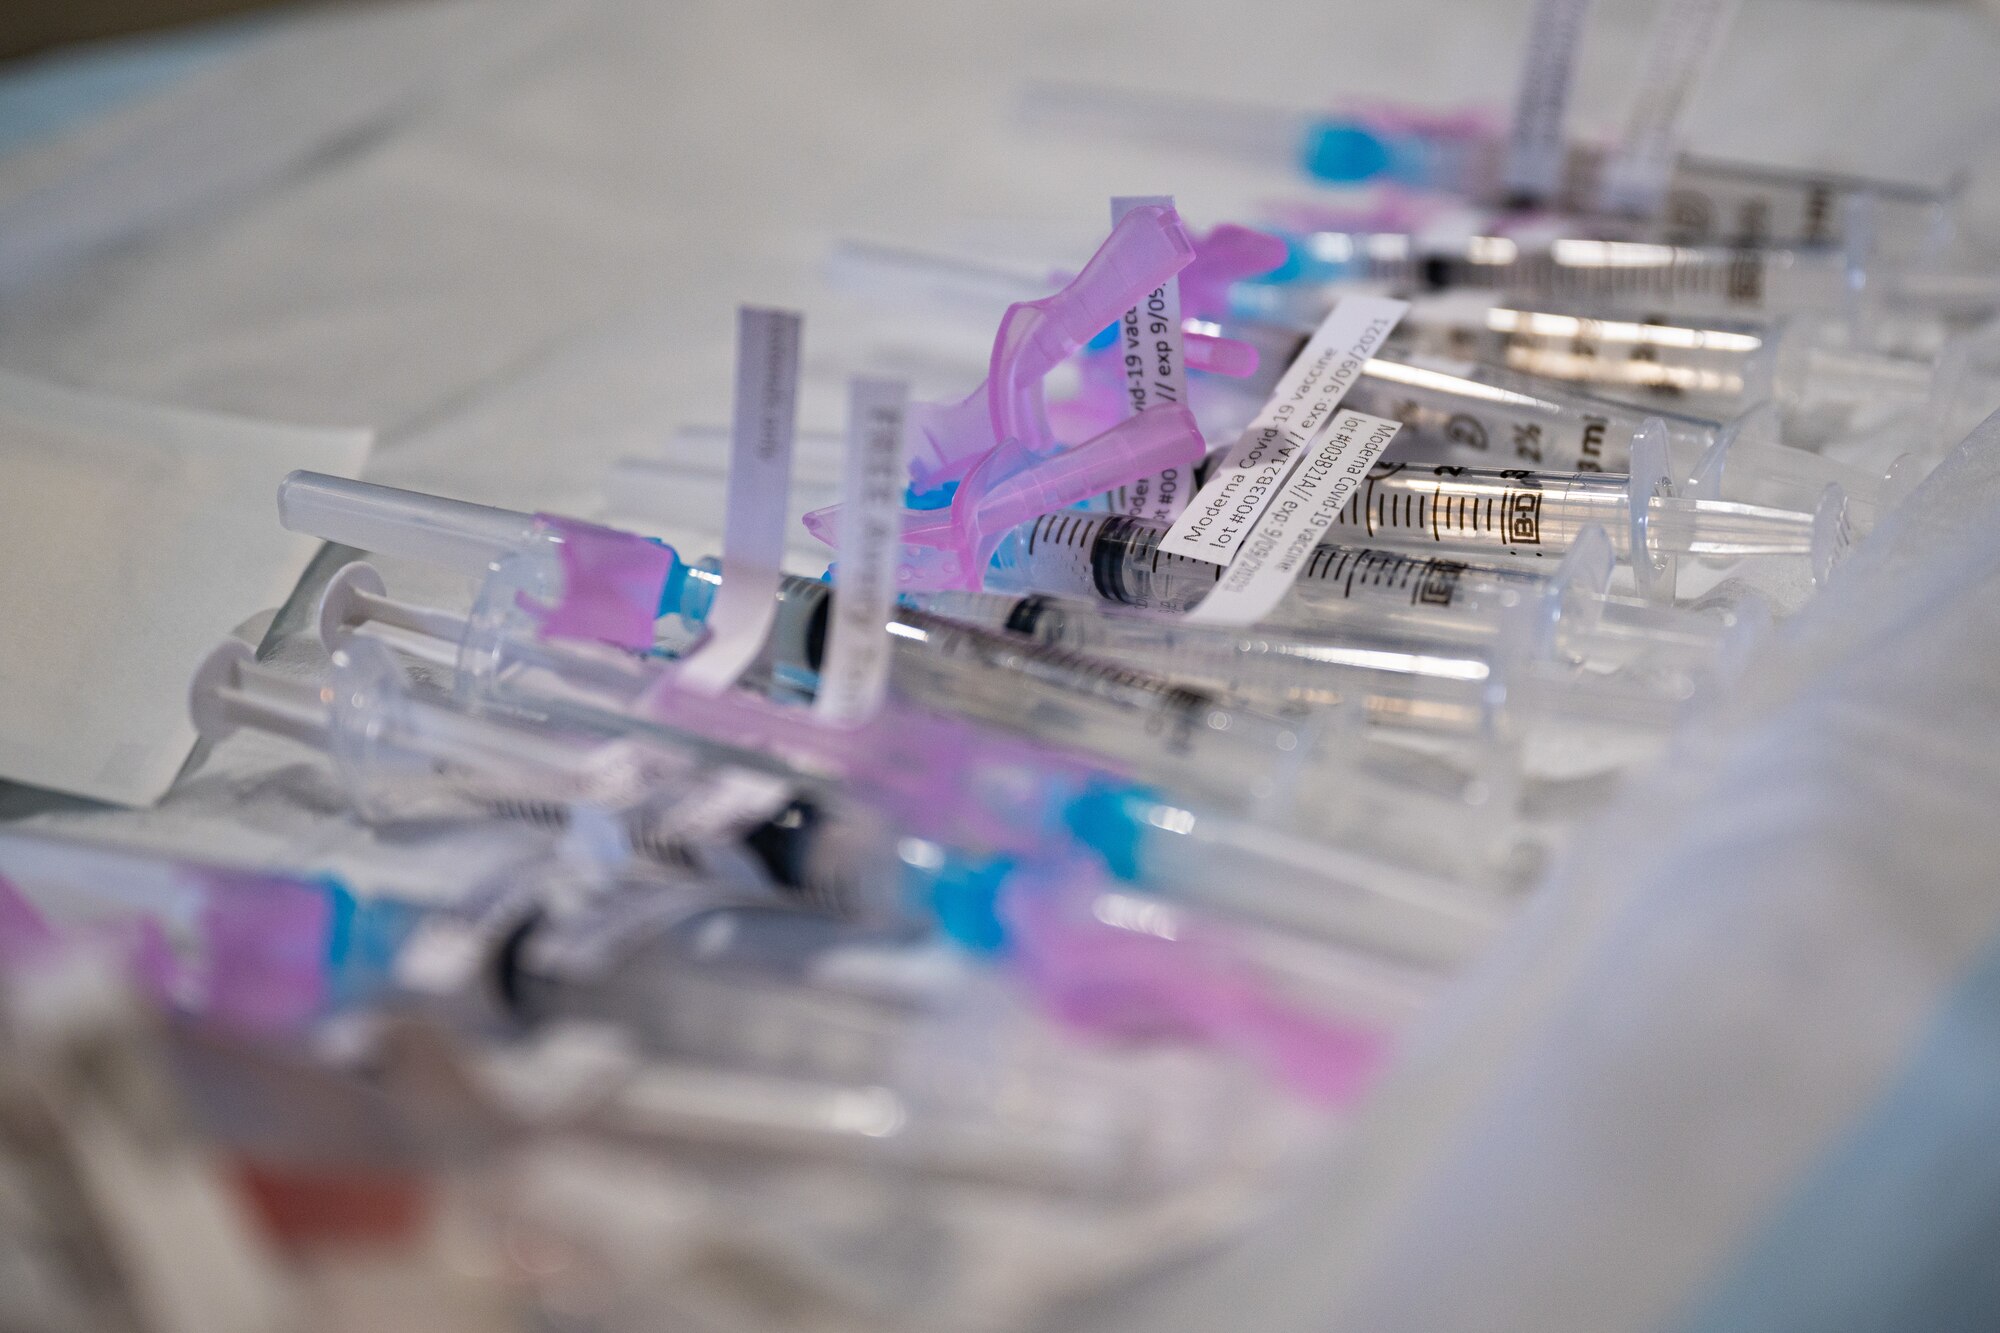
[
  {"x": 1118, "y": 560},
  {"x": 966, "y": 1092},
  {"x": 663, "y": 987},
  {"x": 1467, "y": 412},
  {"x": 1715, "y": 367},
  {"x": 409, "y": 759},
  {"x": 1744, "y": 203},
  {"x": 1544, "y": 513},
  {"x": 1293, "y": 883},
  {"x": 1485, "y": 415},
  {"x": 1607, "y": 275},
  {"x": 1709, "y": 279},
  {"x": 471, "y": 539},
  {"x": 1409, "y": 617},
  {"x": 1160, "y": 731},
  {"x": 403, "y": 758},
  {"x": 1710, "y": 201},
  {"x": 1397, "y": 681},
  {"x": 1702, "y": 366}
]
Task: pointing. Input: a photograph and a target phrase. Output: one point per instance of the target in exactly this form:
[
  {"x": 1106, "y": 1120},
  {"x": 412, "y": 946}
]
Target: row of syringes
[{"x": 730, "y": 931}]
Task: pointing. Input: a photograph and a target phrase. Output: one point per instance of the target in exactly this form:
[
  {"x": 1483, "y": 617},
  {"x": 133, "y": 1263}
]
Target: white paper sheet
[{"x": 132, "y": 537}]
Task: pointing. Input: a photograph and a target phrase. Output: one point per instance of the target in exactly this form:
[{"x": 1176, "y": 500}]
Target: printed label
[
  {"x": 1154, "y": 365},
  {"x": 1524, "y": 518},
  {"x": 1686, "y": 38},
  {"x": 855, "y": 675},
  {"x": 1284, "y": 539},
  {"x": 760, "y": 483},
  {"x": 1222, "y": 516},
  {"x": 1536, "y": 147}
]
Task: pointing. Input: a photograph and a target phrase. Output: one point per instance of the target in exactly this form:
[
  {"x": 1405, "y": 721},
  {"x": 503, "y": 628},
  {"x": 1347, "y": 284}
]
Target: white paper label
[
  {"x": 1218, "y": 520},
  {"x": 1686, "y": 38},
  {"x": 855, "y": 675},
  {"x": 1153, "y": 361},
  {"x": 760, "y": 481},
  {"x": 1283, "y": 541},
  {"x": 1537, "y": 146}
]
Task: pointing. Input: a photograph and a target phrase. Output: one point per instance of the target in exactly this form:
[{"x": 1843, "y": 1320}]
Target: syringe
[
  {"x": 1712, "y": 368},
  {"x": 1198, "y": 854},
  {"x": 1395, "y": 607},
  {"x": 1707, "y": 200},
  {"x": 255, "y": 950},
  {"x": 1396, "y": 684},
  {"x": 405, "y": 758},
  {"x": 1605, "y": 275},
  {"x": 1719, "y": 363},
  {"x": 758, "y": 989},
  {"x": 1486, "y": 416},
  {"x": 1637, "y": 277},
  {"x": 1543, "y": 514}
]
